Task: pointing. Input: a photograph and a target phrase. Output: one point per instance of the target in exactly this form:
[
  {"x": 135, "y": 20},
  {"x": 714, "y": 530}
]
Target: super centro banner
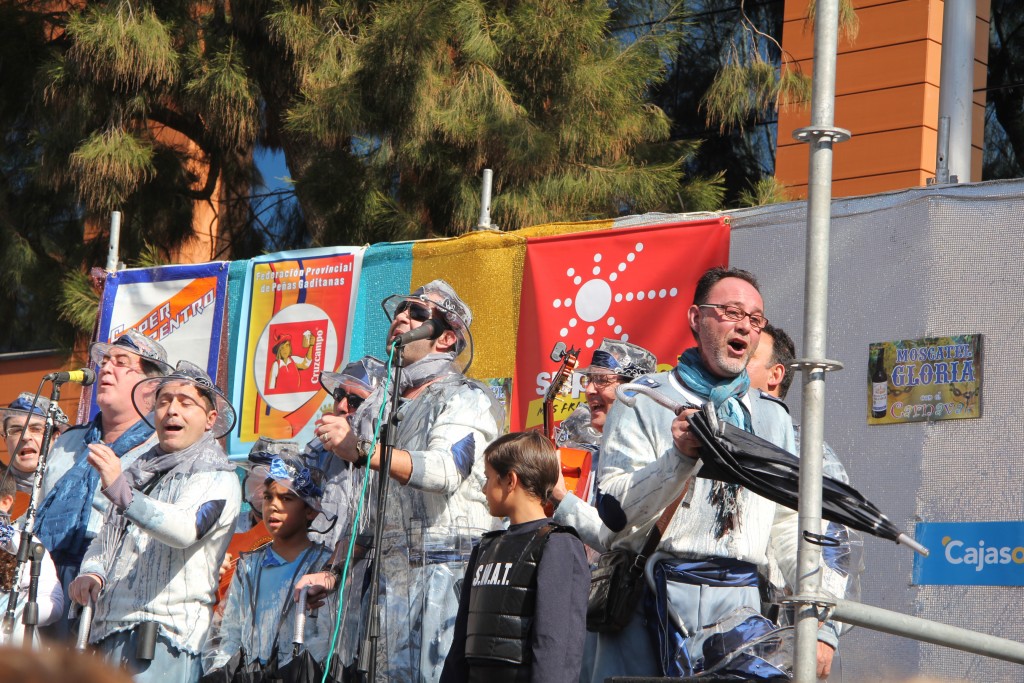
[
  {"x": 970, "y": 554},
  {"x": 633, "y": 284},
  {"x": 182, "y": 307},
  {"x": 294, "y": 325}
]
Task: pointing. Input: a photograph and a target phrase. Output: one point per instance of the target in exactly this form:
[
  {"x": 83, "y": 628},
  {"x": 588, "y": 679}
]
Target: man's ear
[
  {"x": 211, "y": 419},
  {"x": 692, "y": 316},
  {"x": 447, "y": 340},
  {"x": 6, "y": 503},
  {"x": 513, "y": 481},
  {"x": 776, "y": 374}
]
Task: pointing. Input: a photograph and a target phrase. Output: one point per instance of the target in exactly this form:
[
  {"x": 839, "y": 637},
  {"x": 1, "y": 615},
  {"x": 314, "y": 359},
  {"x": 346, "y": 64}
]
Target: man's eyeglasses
[
  {"x": 600, "y": 379},
  {"x": 120, "y": 360},
  {"x": 419, "y": 312},
  {"x": 736, "y": 314},
  {"x": 354, "y": 400},
  {"x": 15, "y": 430}
]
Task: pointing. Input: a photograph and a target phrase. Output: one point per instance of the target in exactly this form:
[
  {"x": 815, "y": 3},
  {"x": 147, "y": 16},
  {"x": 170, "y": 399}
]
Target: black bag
[
  {"x": 617, "y": 583},
  {"x": 616, "y": 587}
]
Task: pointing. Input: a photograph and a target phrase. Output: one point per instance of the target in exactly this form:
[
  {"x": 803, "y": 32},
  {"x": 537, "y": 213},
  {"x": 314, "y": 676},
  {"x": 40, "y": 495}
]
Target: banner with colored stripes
[{"x": 293, "y": 315}]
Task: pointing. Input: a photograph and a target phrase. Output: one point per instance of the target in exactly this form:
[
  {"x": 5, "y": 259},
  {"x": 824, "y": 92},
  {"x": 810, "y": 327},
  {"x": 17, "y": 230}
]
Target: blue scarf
[
  {"x": 64, "y": 515},
  {"x": 725, "y": 395}
]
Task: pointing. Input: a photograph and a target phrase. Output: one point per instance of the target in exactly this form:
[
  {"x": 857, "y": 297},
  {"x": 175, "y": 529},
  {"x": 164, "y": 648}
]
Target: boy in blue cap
[{"x": 259, "y": 618}]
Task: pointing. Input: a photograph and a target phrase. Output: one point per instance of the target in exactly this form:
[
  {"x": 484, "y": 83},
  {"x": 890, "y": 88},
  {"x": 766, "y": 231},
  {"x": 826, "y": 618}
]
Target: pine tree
[
  {"x": 408, "y": 101},
  {"x": 386, "y": 114}
]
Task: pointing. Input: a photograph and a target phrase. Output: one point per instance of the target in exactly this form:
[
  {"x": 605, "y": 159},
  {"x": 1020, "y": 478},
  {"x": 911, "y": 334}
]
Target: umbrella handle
[
  {"x": 299, "y": 634},
  {"x": 912, "y": 544},
  {"x": 84, "y": 626},
  {"x": 621, "y": 393}
]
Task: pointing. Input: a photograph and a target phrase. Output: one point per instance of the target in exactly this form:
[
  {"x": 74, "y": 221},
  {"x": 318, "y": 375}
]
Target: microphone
[
  {"x": 85, "y": 377},
  {"x": 430, "y": 329}
]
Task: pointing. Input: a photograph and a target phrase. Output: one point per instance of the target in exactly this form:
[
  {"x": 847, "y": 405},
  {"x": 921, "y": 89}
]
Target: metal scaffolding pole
[
  {"x": 956, "y": 86},
  {"x": 821, "y": 135}
]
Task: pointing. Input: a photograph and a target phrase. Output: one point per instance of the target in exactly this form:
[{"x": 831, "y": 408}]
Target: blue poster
[{"x": 970, "y": 554}]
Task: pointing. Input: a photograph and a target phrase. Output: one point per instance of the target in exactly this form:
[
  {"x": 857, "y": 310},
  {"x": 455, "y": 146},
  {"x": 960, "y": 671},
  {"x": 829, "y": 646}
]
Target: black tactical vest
[{"x": 502, "y": 601}]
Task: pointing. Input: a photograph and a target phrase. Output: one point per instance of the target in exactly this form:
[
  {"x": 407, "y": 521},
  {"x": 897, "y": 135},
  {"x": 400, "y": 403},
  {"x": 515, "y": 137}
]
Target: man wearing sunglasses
[
  {"x": 716, "y": 545},
  {"x": 437, "y": 509},
  {"x": 348, "y": 389},
  {"x": 73, "y": 504}
]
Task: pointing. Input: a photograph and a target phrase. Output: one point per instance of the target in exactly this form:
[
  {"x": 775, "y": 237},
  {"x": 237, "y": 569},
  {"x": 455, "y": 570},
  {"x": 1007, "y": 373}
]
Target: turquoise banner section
[{"x": 387, "y": 270}]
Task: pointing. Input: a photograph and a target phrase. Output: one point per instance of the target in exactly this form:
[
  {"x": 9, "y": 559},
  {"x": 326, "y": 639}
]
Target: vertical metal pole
[
  {"x": 956, "y": 83},
  {"x": 485, "y": 202},
  {"x": 942, "y": 154},
  {"x": 821, "y": 135},
  {"x": 114, "y": 246}
]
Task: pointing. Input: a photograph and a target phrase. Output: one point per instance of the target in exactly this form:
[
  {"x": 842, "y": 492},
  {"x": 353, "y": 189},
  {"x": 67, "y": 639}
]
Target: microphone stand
[
  {"x": 367, "y": 668},
  {"x": 27, "y": 545}
]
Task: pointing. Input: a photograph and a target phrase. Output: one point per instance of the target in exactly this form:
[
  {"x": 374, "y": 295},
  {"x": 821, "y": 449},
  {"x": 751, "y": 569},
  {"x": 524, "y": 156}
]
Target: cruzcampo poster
[
  {"x": 922, "y": 380},
  {"x": 296, "y": 325}
]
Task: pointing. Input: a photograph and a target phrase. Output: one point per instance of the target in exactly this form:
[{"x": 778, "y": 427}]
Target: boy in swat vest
[{"x": 522, "y": 611}]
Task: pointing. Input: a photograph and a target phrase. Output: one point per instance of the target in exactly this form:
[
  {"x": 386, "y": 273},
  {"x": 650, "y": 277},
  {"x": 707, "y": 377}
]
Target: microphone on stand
[
  {"x": 430, "y": 329},
  {"x": 85, "y": 377}
]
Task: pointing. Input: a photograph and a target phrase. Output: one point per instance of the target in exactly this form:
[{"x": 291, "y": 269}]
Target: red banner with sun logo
[{"x": 633, "y": 284}]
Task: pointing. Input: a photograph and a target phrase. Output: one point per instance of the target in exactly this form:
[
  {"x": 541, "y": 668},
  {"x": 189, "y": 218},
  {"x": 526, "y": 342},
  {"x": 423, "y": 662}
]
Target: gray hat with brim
[
  {"x": 144, "y": 395},
  {"x": 135, "y": 342},
  {"x": 365, "y": 374},
  {"x": 442, "y": 297},
  {"x": 29, "y": 405},
  {"x": 617, "y": 357},
  {"x": 283, "y": 462}
]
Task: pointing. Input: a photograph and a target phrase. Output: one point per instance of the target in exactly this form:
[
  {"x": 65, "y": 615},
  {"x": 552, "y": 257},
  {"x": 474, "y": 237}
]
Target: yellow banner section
[
  {"x": 486, "y": 270},
  {"x": 551, "y": 229}
]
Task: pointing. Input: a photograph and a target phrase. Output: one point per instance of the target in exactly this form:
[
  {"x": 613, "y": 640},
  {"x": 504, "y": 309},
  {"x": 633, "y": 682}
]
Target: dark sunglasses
[
  {"x": 354, "y": 400},
  {"x": 419, "y": 312}
]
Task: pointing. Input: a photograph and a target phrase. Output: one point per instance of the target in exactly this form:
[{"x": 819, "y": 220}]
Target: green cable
[{"x": 355, "y": 522}]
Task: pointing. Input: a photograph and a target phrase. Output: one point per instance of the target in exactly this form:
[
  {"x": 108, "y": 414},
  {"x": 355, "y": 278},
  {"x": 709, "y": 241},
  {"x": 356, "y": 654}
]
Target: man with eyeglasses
[
  {"x": 73, "y": 503},
  {"x": 436, "y": 507},
  {"x": 24, "y": 422},
  {"x": 714, "y": 546},
  {"x": 615, "y": 362}
]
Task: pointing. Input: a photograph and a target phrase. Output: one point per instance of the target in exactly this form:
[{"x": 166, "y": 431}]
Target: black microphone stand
[
  {"x": 367, "y": 667},
  {"x": 27, "y": 545}
]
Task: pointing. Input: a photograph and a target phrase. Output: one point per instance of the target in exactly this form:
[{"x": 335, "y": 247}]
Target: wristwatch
[{"x": 363, "y": 448}]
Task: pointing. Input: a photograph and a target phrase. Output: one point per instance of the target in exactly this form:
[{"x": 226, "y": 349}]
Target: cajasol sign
[{"x": 970, "y": 554}]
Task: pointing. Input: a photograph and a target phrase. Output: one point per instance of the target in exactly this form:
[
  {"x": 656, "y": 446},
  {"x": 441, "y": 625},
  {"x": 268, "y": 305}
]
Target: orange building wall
[
  {"x": 206, "y": 244},
  {"x": 22, "y": 371},
  {"x": 887, "y": 96}
]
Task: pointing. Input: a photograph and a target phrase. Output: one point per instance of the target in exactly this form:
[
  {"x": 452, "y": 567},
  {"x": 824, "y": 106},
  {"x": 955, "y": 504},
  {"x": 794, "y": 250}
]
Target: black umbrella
[
  {"x": 302, "y": 668},
  {"x": 735, "y": 456},
  {"x": 234, "y": 671}
]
